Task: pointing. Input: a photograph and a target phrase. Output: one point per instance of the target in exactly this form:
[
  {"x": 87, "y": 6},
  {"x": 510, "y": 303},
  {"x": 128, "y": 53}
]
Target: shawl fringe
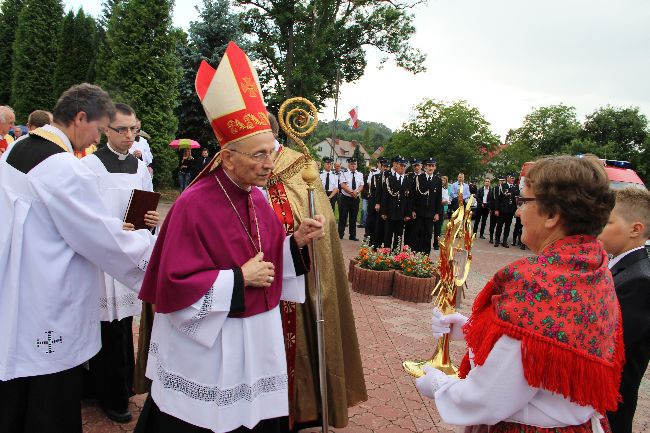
[{"x": 549, "y": 364}]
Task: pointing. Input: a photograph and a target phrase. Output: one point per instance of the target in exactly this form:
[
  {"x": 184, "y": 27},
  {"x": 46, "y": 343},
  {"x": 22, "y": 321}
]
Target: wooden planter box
[
  {"x": 351, "y": 266},
  {"x": 413, "y": 289},
  {"x": 369, "y": 282}
]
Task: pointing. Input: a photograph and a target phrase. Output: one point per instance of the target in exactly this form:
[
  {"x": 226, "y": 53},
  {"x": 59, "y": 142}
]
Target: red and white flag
[{"x": 354, "y": 118}]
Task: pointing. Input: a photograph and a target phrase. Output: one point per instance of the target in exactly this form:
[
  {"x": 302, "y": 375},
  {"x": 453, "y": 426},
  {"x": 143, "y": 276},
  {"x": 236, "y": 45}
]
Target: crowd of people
[
  {"x": 408, "y": 207},
  {"x": 557, "y": 341}
]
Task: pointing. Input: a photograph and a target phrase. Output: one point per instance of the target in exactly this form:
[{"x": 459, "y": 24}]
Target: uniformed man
[
  {"x": 483, "y": 205},
  {"x": 396, "y": 204},
  {"x": 330, "y": 181},
  {"x": 427, "y": 206},
  {"x": 338, "y": 172},
  {"x": 374, "y": 184},
  {"x": 493, "y": 207},
  {"x": 416, "y": 164},
  {"x": 506, "y": 205},
  {"x": 410, "y": 228},
  {"x": 377, "y": 236},
  {"x": 351, "y": 186}
]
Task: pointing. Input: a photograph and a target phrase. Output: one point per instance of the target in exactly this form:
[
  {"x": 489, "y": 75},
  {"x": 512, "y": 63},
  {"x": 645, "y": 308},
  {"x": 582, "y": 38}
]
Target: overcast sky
[{"x": 504, "y": 57}]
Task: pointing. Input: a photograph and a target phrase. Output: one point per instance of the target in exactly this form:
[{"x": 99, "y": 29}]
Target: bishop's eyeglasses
[{"x": 258, "y": 157}]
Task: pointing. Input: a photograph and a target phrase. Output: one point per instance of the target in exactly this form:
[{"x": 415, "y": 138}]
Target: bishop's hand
[
  {"x": 257, "y": 272},
  {"x": 310, "y": 229}
]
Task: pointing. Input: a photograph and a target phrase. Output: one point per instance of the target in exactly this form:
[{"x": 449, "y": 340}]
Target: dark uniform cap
[
  {"x": 431, "y": 161},
  {"x": 401, "y": 160},
  {"x": 502, "y": 177},
  {"x": 351, "y": 160},
  {"x": 416, "y": 161},
  {"x": 383, "y": 161},
  {"x": 327, "y": 159}
]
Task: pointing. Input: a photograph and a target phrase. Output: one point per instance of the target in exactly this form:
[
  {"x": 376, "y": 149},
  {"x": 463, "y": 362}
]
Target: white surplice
[
  {"x": 219, "y": 372},
  {"x": 498, "y": 391},
  {"x": 118, "y": 301},
  {"x": 55, "y": 235},
  {"x": 143, "y": 146}
]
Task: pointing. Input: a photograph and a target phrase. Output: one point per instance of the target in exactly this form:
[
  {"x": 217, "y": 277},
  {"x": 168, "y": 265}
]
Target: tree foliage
[
  {"x": 9, "y": 11},
  {"x": 207, "y": 40},
  {"x": 37, "y": 36},
  {"x": 141, "y": 67},
  {"x": 300, "y": 45},
  {"x": 608, "y": 132},
  {"x": 510, "y": 159},
  {"x": 76, "y": 54},
  {"x": 547, "y": 130},
  {"x": 621, "y": 131},
  {"x": 455, "y": 133}
]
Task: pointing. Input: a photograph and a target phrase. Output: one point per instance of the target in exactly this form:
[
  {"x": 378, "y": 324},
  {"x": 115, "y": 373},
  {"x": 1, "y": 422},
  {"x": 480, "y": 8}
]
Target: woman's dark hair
[{"x": 574, "y": 187}]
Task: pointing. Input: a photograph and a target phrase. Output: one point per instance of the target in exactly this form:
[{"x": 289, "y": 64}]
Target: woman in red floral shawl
[{"x": 545, "y": 348}]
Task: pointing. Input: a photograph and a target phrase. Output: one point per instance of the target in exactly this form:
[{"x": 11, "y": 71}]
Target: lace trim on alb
[
  {"x": 143, "y": 265},
  {"x": 192, "y": 326},
  {"x": 214, "y": 394},
  {"x": 125, "y": 300}
]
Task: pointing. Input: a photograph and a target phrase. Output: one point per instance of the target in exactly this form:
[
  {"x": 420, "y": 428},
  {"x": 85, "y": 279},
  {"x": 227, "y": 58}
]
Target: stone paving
[{"x": 389, "y": 332}]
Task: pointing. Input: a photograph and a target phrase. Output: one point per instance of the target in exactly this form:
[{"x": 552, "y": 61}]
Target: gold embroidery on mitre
[
  {"x": 248, "y": 85},
  {"x": 247, "y": 122}
]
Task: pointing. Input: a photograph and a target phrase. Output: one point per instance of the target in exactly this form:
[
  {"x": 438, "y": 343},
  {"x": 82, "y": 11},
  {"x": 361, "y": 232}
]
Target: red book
[{"x": 140, "y": 203}]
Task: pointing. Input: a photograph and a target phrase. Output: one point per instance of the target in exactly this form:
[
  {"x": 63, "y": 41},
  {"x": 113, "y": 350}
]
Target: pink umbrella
[{"x": 184, "y": 143}]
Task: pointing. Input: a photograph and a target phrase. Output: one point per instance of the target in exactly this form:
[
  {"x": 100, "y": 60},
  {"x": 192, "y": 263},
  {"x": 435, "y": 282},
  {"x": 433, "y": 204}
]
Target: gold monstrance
[{"x": 453, "y": 267}]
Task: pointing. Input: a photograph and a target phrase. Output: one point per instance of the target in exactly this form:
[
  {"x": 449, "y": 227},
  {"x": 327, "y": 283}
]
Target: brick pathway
[{"x": 391, "y": 331}]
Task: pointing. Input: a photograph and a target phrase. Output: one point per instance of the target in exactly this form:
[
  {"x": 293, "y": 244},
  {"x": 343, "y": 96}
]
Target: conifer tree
[
  {"x": 207, "y": 40},
  {"x": 9, "y": 10},
  {"x": 140, "y": 66},
  {"x": 76, "y": 51},
  {"x": 35, "y": 47}
]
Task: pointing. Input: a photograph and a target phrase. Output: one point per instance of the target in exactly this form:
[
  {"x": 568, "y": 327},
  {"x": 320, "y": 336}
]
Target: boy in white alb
[{"x": 118, "y": 173}]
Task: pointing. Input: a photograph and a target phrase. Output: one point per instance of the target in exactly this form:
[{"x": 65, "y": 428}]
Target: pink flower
[
  {"x": 542, "y": 259},
  {"x": 529, "y": 296}
]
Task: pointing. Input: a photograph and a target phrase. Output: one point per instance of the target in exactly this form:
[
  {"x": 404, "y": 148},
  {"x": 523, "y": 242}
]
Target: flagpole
[{"x": 336, "y": 108}]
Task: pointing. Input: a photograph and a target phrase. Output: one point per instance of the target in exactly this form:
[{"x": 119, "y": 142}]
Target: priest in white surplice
[
  {"x": 220, "y": 267},
  {"x": 118, "y": 173},
  {"x": 55, "y": 235}
]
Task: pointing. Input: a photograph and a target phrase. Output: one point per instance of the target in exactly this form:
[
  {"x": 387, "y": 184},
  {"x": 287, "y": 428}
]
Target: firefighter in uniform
[
  {"x": 396, "y": 204},
  {"x": 330, "y": 181},
  {"x": 427, "y": 206},
  {"x": 505, "y": 207}
]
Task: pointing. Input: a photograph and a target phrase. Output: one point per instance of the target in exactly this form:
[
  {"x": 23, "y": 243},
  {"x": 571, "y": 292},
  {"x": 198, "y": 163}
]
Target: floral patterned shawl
[{"x": 562, "y": 305}]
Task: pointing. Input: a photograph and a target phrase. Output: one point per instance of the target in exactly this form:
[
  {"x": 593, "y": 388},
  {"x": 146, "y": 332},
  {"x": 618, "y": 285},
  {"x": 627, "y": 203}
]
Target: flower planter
[
  {"x": 351, "y": 266},
  {"x": 369, "y": 282},
  {"x": 413, "y": 289}
]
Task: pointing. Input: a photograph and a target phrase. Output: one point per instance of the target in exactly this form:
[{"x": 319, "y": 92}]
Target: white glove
[
  {"x": 451, "y": 324},
  {"x": 432, "y": 380}
]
